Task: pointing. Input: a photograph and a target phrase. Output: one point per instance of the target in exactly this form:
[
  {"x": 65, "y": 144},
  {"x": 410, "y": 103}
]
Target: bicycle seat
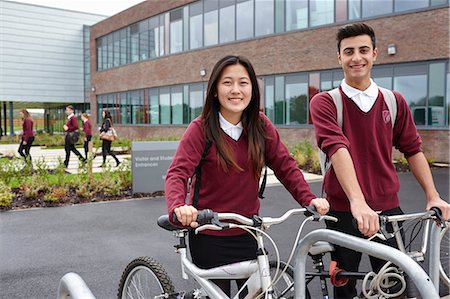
[
  {"x": 163, "y": 221},
  {"x": 321, "y": 247}
]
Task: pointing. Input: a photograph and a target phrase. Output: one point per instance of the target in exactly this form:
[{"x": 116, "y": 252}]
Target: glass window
[
  {"x": 110, "y": 50},
  {"x": 134, "y": 42},
  {"x": 296, "y": 14},
  {"x": 341, "y": 11},
  {"x": 164, "y": 102},
  {"x": 177, "y": 104},
  {"x": 123, "y": 46},
  {"x": 382, "y": 76},
  {"x": 411, "y": 82},
  {"x": 439, "y": 2},
  {"x": 321, "y": 12},
  {"x": 403, "y": 5},
  {"x": 105, "y": 53},
  {"x": 154, "y": 106},
  {"x": 279, "y": 16},
  {"x": 296, "y": 99},
  {"x": 448, "y": 95},
  {"x": 325, "y": 81},
  {"x": 244, "y": 19},
  {"x": 279, "y": 100},
  {"x": 153, "y": 37},
  {"x": 125, "y": 108},
  {"x": 436, "y": 87},
  {"x": 227, "y": 21},
  {"x": 196, "y": 95},
  {"x": 354, "y": 9},
  {"x": 211, "y": 22},
  {"x": 264, "y": 17},
  {"x": 269, "y": 94},
  {"x": 137, "y": 107},
  {"x": 99, "y": 54},
  {"x": 195, "y": 26},
  {"x": 116, "y": 49},
  {"x": 371, "y": 8},
  {"x": 143, "y": 40},
  {"x": 337, "y": 78},
  {"x": 161, "y": 36},
  {"x": 176, "y": 31}
]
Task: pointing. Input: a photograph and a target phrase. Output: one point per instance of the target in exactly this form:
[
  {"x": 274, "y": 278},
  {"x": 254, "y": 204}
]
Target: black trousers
[
  {"x": 69, "y": 147},
  {"x": 106, "y": 149},
  {"x": 24, "y": 149},
  {"x": 214, "y": 251},
  {"x": 86, "y": 145},
  {"x": 349, "y": 259}
]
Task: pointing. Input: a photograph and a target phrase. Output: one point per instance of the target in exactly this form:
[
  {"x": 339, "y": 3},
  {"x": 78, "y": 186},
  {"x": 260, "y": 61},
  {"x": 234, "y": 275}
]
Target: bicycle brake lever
[
  {"x": 383, "y": 229},
  {"x": 311, "y": 211},
  {"x": 209, "y": 227},
  {"x": 439, "y": 219},
  {"x": 327, "y": 217}
]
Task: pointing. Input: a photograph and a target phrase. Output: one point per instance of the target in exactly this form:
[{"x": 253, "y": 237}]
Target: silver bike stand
[{"x": 73, "y": 286}]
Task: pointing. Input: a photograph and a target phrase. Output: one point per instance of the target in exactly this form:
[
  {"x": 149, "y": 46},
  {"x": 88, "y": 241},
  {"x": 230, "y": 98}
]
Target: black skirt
[{"x": 214, "y": 251}]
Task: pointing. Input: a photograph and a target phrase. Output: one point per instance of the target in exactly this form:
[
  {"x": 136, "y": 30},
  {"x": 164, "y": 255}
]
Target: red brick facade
[{"x": 308, "y": 50}]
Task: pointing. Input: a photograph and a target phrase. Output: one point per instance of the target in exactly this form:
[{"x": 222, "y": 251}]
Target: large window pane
[
  {"x": 143, "y": 40},
  {"x": 269, "y": 101},
  {"x": 137, "y": 107},
  {"x": 321, "y": 12},
  {"x": 354, "y": 9},
  {"x": 325, "y": 81},
  {"x": 296, "y": 14},
  {"x": 116, "y": 48},
  {"x": 99, "y": 54},
  {"x": 448, "y": 96},
  {"x": 382, "y": 76},
  {"x": 411, "y": 82},
  {"x": 227, "y": 21},
  {"x": 436, "y": 114},
  {"x": 195, "y": 26},
  {"x": 371, "y": 8},
  {"x": 296, "y": 100},
  {"x": 244, "y": 19},
  {"x": 134, "y": 42},
  {"x": 176, "y": 31},
  {"x": 402, "y": 5},
  {"x": 279, "y": 100},
  {"x": 164, "y": 102},
  {"x": 264, "y": 17},
  {"x": 211, "y": 22},
  {"x": 177, "y": 104},
  {"x": 196, "y": 95},
  {"x": 161, "y": 36},
  {"x": 153, "y": 37},
  {"x": 154, "y": 106},
  {"x": 125, "y": 108},
  {"x": 123, "y": 46},
  {"x": 110, "y": 50}
]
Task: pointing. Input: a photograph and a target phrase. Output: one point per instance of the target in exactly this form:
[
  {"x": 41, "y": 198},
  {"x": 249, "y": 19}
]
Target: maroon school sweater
[
  {"x": 87, "y": 128},
  {"x": 233, "y": 191},
  {"x": 72, "y": 124},
  {"x": 369, "y": 139},
  {"x": 27, "y": 127}
]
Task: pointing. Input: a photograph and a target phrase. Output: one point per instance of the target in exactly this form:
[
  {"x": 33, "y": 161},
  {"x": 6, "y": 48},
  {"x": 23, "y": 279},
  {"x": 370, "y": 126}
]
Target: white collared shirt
[
  {"x": 68, "y": 117},
  {"x": 234, "y": 131},
  {"x": 364, "y": 99}
]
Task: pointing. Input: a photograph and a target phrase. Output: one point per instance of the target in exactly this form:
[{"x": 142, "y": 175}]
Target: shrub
[
  {"x": 5, "y": 195},
  {"x": 33, "y": 187}
]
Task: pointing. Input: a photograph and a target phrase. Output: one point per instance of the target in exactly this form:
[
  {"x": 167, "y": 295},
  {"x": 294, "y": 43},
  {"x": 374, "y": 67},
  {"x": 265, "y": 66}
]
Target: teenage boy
[
  {"x": 362, "y": 178},
  {"x": 70, "y": 126}
]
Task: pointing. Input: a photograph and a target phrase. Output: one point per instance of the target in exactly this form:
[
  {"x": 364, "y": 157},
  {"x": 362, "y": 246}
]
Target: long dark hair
[
  {"x": 252, "y": 125},
  {"x": 107, "y": 116}
]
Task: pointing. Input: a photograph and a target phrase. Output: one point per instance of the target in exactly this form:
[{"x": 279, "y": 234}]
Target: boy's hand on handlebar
[
  {"x": 441, "y": 205},
  {"x": 368, "y": 221},
  {"x": 187, "y": 215},
  {"x": 321, "y": 204}
]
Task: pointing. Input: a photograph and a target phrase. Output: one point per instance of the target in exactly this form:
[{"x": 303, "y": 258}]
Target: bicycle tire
[
  {"x": 280, "y": 288},
  {"x": 147, "y": 277},
  {"x": 444, "y": 264}
]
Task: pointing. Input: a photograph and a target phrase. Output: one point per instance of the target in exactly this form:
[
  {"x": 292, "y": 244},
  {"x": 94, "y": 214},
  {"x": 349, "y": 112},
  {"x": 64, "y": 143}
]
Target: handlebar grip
[{"x": 203, "y": 216}]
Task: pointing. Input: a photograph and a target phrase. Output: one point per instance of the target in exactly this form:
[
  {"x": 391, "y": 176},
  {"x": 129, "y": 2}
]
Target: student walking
[
  {"x": 106, "y": 144},
  {"x": 87, "y": 129},
  {"x": 362, "y": 178},
  {"x": 241, "y": 140},
  {"x": 71, "y": 128},
  {"x": 27, "y": 135}
]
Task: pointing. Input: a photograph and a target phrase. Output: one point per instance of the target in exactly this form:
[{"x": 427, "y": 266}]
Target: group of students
[
  {"x": 69, "y": 127},
  {"x": 232, "y": 140}
]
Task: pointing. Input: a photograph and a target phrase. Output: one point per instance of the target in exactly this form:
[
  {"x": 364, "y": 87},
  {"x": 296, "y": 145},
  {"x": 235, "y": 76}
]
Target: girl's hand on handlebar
[
  {"x": 187, "y": 215},
  {"x": 321, "y": 204},
  {"x": 441, "y": 204}
]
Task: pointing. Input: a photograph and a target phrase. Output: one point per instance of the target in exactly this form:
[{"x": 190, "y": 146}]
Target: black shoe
[{"x": 118, "y": 163}]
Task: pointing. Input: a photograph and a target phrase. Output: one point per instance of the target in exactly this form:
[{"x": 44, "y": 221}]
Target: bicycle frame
[{"x": 255, "y": 271}]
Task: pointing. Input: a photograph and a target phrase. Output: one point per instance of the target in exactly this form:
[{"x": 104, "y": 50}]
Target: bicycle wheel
[
  {"x": 284, "y": 288},
  {"x": 145, "y": 278},
  {"x": 444, "y": 267}
]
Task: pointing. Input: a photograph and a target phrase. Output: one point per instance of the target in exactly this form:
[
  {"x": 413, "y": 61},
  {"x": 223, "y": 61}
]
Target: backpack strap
[
  {"x": 337, "y": 99},
  {"x": 198, "y": 174},
  {"x": 391, "y": 102}
]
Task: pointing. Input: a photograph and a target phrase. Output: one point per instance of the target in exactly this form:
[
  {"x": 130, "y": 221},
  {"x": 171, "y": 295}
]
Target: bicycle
[
  {"x": 144, "y": 277},
  {"x": 375, "y": 285}
]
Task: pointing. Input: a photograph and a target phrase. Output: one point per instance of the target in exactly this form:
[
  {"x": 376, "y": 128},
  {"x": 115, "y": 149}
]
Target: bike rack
[
  {"x": 434, "y": 254},
  {"x": 73, "y": 286},
  {"x": 423, "y": 283}
]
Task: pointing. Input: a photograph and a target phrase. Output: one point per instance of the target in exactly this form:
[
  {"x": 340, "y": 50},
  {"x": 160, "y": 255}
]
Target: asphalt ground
[{"x": 97, "y": 241}]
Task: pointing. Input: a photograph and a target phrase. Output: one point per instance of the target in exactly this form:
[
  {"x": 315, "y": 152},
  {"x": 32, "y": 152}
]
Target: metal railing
[{"x": 73, "y": 286}]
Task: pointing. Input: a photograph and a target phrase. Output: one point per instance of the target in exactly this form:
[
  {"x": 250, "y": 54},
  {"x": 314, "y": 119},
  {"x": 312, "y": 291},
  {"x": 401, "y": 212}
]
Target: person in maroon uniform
[
  {"x": 242, "y": 140},
  {"x": 87, "y": 129},
  {"x": 362, "y": 178},
  {"x": 27, "y": 135},
  {"x": 71, "y": 126}
]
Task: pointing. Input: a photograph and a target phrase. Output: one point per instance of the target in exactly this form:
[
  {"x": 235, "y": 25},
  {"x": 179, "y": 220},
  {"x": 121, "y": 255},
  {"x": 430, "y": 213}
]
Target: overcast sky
[{"x": 102, "y": 7}]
